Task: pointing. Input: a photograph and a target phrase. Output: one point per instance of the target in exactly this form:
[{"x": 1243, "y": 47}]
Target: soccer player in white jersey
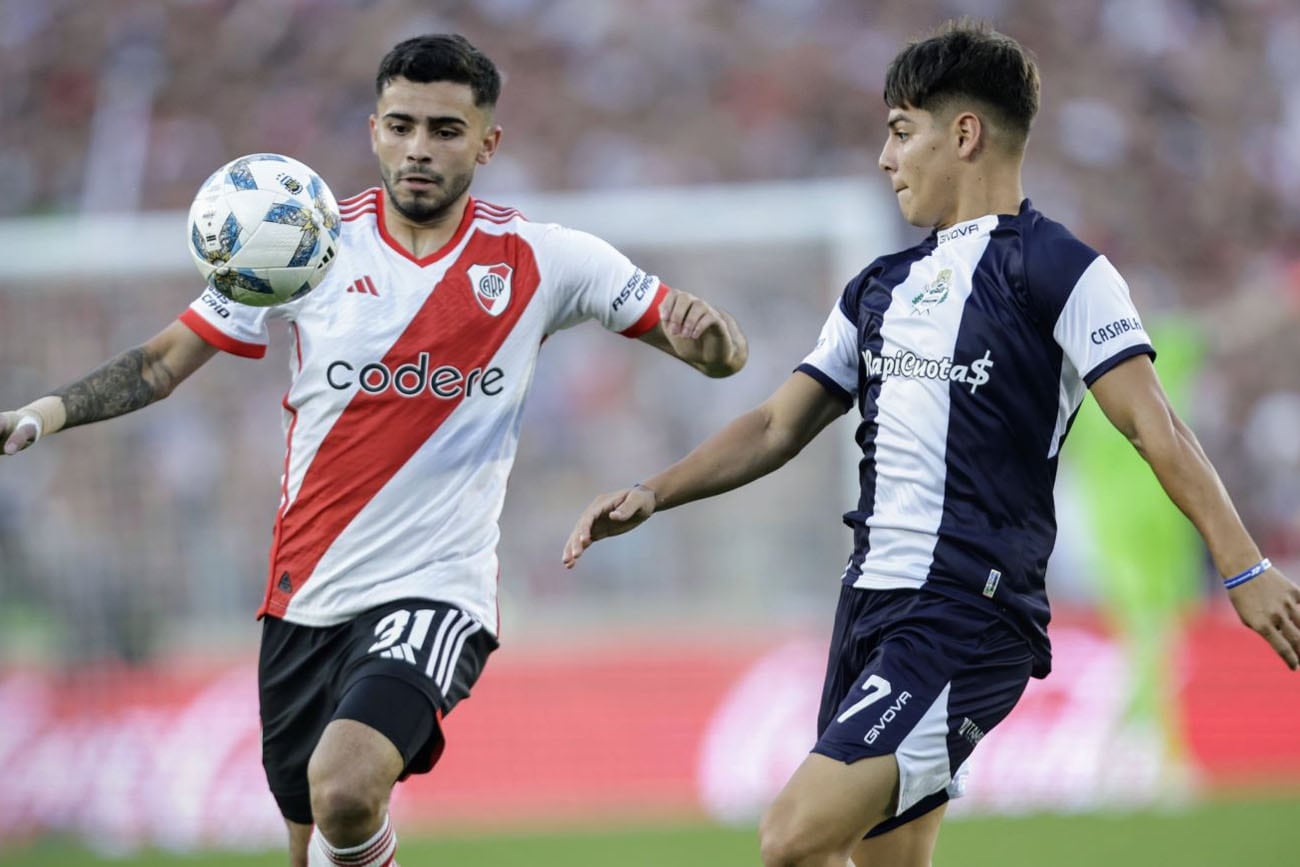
[
  {"x": 410, "y": 365},
  {"x": 968, "y": 356}
]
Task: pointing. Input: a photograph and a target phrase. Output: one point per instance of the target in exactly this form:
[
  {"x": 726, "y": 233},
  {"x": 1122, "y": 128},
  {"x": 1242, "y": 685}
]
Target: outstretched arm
[
  {"x": 750, "y": 447},
  {"x": 1132, "y": 398},
  {"x": 132, "y": 380},
  {"x": 703, "y": 336}
]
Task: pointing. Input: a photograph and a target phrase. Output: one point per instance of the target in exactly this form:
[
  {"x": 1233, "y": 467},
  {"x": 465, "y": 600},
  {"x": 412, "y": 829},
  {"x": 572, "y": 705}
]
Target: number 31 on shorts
[{"x": 448, "y": 641}]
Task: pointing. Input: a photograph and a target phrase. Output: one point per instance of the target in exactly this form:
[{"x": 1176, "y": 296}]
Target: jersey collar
[
  {"x": 970, "y": 229},
  {"x": 466, "y": 219}
]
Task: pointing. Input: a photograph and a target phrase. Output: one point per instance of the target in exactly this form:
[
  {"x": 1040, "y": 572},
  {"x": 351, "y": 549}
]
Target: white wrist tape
[{"x": 35, "y": 421}]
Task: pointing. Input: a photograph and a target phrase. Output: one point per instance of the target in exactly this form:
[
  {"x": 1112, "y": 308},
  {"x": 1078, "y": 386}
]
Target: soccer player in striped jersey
[
  {"x": 409, "y": 369},
  {"x": 967, "y": 356}
]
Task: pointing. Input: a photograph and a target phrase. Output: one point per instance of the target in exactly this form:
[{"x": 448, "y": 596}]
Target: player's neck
[
  {"x": 992, "y": 190},
  {"x": 423, "y": 239}
]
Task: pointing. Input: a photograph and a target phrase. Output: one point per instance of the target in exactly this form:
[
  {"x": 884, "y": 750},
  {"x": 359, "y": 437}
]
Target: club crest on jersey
[
  {"x": 934, "y": 294},
  {"x": 491, "y": 284}
]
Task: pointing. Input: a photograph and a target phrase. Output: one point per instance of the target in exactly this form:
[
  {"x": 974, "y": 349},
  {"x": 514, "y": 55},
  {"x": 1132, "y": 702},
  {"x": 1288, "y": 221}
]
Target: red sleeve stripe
[
  {"x": 497, "y": 215},
  {"x": 358, "y": 206},
  {"x": 358, "y": 198},
  {"x": 219, "y": 339},
  {"x": 498, "y": 210},
  {"x": 370, "y": 205},
  {"x": 496, "y": 221},
  {"x": 356, "y": 215},
  {"x": 650, "y": 318}
]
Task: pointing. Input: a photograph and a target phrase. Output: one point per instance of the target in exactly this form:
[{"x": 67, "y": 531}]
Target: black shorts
[
  {"x": 435, "y": 650},
  {"x": 920, "y": 676}
]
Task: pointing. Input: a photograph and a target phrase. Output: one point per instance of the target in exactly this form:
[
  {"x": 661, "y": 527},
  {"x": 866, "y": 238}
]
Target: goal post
[{"x": 172, "y": 507}]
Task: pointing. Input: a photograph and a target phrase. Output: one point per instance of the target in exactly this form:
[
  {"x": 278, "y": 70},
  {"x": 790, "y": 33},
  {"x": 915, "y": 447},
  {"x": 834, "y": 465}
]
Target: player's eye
[
  {"x": 900, "y": 135},
  {"x": 447, "y": 133}
]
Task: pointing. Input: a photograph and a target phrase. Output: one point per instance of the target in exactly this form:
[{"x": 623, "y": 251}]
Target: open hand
[
  {"x": 1270, "y": 605},
  {"x": 608, "y": 515}
]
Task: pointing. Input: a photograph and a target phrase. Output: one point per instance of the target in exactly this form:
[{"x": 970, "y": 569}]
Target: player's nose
[
  {"x": 419, "y": 147},
  {"x": 886, "y": 161}
]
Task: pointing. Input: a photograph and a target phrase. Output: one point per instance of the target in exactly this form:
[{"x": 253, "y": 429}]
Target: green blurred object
[
  {"x": 1144, "y": 554},
  {"x": 1260, "y": 833}
]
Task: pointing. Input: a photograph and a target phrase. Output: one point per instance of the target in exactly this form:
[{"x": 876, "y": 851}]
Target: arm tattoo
[{"x": 132, "y": 380}]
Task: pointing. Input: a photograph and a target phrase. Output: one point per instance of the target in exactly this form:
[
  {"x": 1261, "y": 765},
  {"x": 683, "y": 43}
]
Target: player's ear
[
  {"x": 488, "y": 147},
  {"x": 969, "y": 132},
  {"x": 374, "y": 134}
]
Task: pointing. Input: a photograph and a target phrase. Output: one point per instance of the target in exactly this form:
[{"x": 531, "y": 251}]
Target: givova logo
[{"x": 912, "y": 366}]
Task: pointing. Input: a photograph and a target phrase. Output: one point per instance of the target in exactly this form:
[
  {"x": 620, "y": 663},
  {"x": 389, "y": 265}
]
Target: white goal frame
[{"x": 850, "y": 216}]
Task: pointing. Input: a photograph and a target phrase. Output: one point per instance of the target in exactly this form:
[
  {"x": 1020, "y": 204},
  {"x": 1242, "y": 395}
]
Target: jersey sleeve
[
  {"x": 1098, "y": 326},
  {"x": 592, "y": 280},
  {"x": 834, "y": 360},
  {"x": 235, "y": 328}
]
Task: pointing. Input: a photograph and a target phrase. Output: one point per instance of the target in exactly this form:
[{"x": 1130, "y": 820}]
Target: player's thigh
[
  {"x": 355, "y": 760},
  {"x": 828, "y": 805},
  {"x": 409, "y": 664},
  {"x": 909, "y": 845}
]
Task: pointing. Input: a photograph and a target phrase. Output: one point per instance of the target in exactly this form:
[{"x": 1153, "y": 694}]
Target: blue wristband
[{"x": 1253, "y": 572}]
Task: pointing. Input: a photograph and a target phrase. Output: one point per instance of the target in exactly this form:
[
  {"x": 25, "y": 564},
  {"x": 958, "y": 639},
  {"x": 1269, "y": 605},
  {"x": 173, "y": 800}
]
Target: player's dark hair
[
  {"x": 970, "y": 60},
  {"x": 442, "y": 57}
]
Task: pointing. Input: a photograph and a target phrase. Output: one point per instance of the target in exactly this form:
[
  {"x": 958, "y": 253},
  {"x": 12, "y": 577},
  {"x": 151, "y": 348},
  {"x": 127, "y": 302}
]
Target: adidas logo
[{"x": 364, "y": 285}]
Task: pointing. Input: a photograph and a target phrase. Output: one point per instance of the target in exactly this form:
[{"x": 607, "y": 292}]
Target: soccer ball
[{"x": 264, "y": 229}]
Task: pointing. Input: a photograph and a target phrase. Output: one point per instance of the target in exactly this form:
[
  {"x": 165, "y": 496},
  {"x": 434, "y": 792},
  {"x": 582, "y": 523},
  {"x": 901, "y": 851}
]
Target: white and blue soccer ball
[{"x": 264, "y": 229}]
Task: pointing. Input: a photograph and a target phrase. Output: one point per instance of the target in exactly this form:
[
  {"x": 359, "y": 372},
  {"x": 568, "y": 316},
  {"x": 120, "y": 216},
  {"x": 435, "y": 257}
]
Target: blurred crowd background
[{"x": 1169, "y": 138}]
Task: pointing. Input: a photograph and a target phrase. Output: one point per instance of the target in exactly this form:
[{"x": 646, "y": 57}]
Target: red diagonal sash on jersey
[{"x": 376, "y": 434}]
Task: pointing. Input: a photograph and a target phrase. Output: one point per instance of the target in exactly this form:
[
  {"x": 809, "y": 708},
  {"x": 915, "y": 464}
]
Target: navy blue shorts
[{"x": 921, "y": 676}]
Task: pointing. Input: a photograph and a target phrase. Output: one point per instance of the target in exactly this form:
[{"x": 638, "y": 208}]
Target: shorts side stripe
[
  {"x": 924, "y": 766},
  {"x": 452, "y": 649},
  {"x": 454, "y": 657},
  {"x": 434, "y": 651}
]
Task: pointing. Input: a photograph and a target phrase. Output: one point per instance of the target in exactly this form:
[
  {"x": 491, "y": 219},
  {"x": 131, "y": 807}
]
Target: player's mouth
[{"x": 418, "y": 182}]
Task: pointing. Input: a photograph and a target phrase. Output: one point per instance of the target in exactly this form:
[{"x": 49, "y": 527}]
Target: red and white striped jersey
[{"x": 402, "y": 415}]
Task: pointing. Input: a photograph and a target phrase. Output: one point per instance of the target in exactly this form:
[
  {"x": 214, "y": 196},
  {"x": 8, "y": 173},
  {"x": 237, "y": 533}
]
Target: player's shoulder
[
  {"x": 555, "y": 243},
  {"x": 492, "y": 214},
  {"x": 546, "y": 240},
  {"x": 359, "y": 218},
  {"x": 358, "y": 208},
  {"x": 1052, "y": 253}
]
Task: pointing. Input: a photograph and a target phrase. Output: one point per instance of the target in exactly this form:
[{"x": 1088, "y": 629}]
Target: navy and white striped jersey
[{"x": 969, "y": 355}]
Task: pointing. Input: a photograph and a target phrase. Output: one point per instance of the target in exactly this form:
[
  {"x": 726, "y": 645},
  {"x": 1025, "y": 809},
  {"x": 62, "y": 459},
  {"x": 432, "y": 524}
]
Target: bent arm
[
  {"x": 130, "y": 381},
  {"x": 705, "y": 337},
  {"x": 1133, "y": 400},
  {"x": 751, "y": 446}
]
